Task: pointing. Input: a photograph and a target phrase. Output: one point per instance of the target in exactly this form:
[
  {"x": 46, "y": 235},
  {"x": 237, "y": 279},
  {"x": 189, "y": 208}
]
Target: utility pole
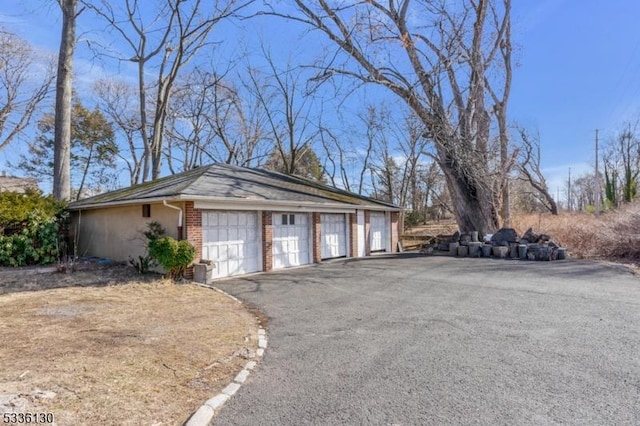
[
  {"x": 569, "y": 191},
  {"x": 597, "y": 194}
]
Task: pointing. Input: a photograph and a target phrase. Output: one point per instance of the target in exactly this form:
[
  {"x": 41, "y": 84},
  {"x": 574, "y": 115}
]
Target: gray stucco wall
[{"x": 116, "y": 232}]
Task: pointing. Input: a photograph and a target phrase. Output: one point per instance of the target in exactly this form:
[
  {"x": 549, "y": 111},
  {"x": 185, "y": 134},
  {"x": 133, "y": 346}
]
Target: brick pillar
[
  {"x": 395, "y": 231},
  {"x": 317, "y": 238},
  {"x": 193, "y": 228},
  {"x": 353, "y": 235},
  {"x": 267, "y": 241},
  {"x": 367, "y": 233}
]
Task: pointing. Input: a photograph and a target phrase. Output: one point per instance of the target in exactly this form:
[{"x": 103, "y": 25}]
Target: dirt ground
[
  {"x": 114, "y": 347},
  {"x": 87, "y": 272}
]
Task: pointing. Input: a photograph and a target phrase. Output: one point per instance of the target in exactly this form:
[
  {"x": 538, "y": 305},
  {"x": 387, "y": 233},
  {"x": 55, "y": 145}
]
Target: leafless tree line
[
  {"x": 449, "y": 63},
  {"x": 25, "y": 82}
]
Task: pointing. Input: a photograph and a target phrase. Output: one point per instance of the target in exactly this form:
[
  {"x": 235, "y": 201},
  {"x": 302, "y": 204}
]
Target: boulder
[
  {"x": 513, "y": 250},
  {"x": 562, "y": 253},
  {"x": 530, "y": 236},
  {"x": 500, "y": 252},
  {"x": 443, "y": 246},
  {"x": 544, "y": 253},
  {"x": 522, "y": 251},
  {"x": 475, "y": 249},
  {"x": 543, "y": 238},
  {"x": 504, "y": 236}
]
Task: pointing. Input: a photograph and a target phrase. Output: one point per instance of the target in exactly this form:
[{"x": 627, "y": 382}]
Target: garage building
[{"x": 243, "y": 220}]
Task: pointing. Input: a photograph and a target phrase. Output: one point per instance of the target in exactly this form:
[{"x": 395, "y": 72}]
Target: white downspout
[{"x": 171, "y": 206}]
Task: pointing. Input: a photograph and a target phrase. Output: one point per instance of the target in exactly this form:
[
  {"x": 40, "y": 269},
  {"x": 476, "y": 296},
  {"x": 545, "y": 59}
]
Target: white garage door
[
  {"x": 333, "y": 235},
  {"x": 378, "y": 231},
  {"x": 290, "y": 240},
  {"x": 232, "y": 240}
]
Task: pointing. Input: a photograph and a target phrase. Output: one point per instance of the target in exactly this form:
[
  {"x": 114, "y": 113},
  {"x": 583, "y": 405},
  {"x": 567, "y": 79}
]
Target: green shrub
[
  {"x": 32, "y": 222},
  {"x": 146, "y": 262},
  {"x": 36, "y": 243},
  {"x": 173, "y": 255},
  {"x": 15, "y": 207},
  {"x": 154, "y": 231},
  {"x": 143, "y": 264}
]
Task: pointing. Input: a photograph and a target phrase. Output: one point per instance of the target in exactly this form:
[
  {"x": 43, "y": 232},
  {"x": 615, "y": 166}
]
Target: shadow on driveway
[{"x": 412, "y": 340}]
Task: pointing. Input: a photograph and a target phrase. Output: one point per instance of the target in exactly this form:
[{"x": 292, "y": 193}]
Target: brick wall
[
  {"x": 353, "y": 234},
  {"x": 267, "y": 241},
  {"x": 193, "y": 230},
  {"x": 317, "y": 238},
  {"x": 395, "y": 231},
  {"x": 367, "y": 233}
]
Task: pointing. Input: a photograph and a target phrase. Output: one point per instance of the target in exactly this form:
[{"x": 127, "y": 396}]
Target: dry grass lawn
[
  {"x": 133, "y": 354},
  {"x": 614, "y": 235}
]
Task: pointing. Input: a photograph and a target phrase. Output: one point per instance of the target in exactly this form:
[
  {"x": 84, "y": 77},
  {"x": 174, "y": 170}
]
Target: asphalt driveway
[{"x": 435, "y": 340}]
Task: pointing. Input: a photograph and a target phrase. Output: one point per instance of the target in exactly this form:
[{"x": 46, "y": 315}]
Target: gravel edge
[{"x": 204, "y": 415}]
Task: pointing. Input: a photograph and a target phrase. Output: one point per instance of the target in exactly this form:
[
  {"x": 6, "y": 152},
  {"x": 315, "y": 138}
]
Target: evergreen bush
[
  {"x": 35, "y": 243},
  {"x": 173, "y": 255}
]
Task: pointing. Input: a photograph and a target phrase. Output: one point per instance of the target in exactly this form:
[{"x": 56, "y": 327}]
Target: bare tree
[
  {"x": 62, "y": 151},
  {"x": 289, "y": 113},
  {"x": 500, "y": 100},
  {"x": 396, "y": 157},
  {"x": 432, "y": 189},
  {"x": 530, "y": 170},
  {"x": 622, "y": 165},
  {"x": 117, "y": 99},
  {"x": 334, "y": 158},
  {"x": 210, "y": 119},
  {"x": 386, "y": 176},
  {"x": 374, "y": 126},
  {"x": 21, "y": 90},
  {"x": 190, "y": 138},
  {"x": 525, "y": 198},
  {"x": 584, "y": 191},
  {"x": 413, "y": 145},
  {"x": 392, "y": 155},
  {"x": 350, "y": 154},
  {"x": 162, "y": 43},
  {"x": 628, "y": 148},
  {"x": 441, "y": 59}
]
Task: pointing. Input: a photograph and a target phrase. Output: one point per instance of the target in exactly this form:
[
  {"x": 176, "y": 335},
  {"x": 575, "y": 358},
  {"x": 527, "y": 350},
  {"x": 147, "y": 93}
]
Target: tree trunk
[
  {"x": 84, "y": 173},
  {"x": 449, "y": 55},
  {"x": 62, "y": 138},
  {"x": 472, "y": 205}
]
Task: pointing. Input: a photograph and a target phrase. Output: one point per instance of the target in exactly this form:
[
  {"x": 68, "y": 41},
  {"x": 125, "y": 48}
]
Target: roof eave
[
  {"x": 119, "y": 203},
  {"x": 263, "y": 202},
  {"x": 230, "y": 202}
]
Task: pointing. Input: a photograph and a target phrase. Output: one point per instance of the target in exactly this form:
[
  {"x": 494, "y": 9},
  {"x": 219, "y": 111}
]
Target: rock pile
[{"x": 505, "y": 243}]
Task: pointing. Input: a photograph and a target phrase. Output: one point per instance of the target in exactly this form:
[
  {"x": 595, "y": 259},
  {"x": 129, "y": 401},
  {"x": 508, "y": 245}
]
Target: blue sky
[{"x": 578, "y": 70}]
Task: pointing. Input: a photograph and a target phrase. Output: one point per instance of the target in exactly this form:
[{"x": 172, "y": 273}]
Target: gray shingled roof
[{"x": 231, "y": 182}]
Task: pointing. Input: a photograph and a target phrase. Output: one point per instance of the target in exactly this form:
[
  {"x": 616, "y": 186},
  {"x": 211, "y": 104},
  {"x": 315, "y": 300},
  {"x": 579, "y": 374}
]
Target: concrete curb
[{"x": 204, "y": 415}]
